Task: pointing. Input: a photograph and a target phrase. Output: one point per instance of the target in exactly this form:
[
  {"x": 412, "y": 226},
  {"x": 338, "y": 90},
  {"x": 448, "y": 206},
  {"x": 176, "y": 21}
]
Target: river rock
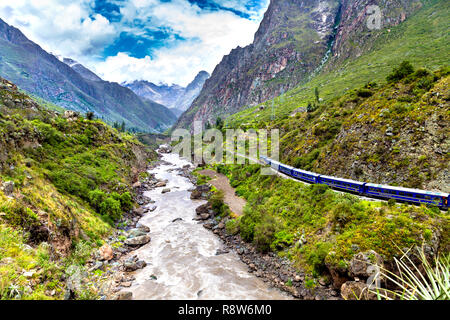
[
  {"x": 165, "y": 148},
  {"x": 177, "y": 219},
  {"x": 136, "y": 185},
  {"x": 106, "y": 252},
  {"x": 139, "y": 211},
  {"x": 165, "y": 190},
  {"x": 151, "y": 208},
  {"x": 204, "y": 209},
  {"x": 136, "y": 232},
  {"x": 142, "y": 227},
  {"x": 161, "y": 184},
  {"x": 201, "y": 192},
  {"x": 97, "y": 266},
  {"x": 137, "y": 241}
]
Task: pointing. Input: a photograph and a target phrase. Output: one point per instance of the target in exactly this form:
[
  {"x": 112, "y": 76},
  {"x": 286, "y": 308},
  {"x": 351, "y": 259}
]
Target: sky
[{"x": 162, "y": 41}]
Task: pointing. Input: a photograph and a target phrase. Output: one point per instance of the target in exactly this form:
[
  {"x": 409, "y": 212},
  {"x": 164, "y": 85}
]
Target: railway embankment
[{"x": 319, "y": 244}]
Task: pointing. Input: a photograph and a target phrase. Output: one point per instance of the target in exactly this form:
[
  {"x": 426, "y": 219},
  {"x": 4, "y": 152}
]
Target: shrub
[
  {"x": 282, "y": 240},
  {"x": 111, "y": 208},
  {"x": 364, "y": 93},
  {"x": 90, "y": 115},
  {"x": 265, "y": 233},
  {"x": 306, "y": 161},
  {"x": 401, "y": 72},
  {"x": 126, "y": 201},
  {"x": 316, "y": 258},
  {"x": 96, "y": 197},
  {"x": 217, "y": 203},
  {"x": 247, "y": 225},
  {"x": 232, "y": 226}
]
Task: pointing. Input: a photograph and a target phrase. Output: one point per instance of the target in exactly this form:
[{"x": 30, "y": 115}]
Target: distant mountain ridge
[
  {"x": 175, "y": 97},
  {"x": 72, "y": 86}
]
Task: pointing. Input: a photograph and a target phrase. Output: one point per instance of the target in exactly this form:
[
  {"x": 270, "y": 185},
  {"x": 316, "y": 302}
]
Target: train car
[
  {"x": 284, "y": 168},
  {"x": 275, "y": 165},
  {"x": 303, "y": 175},
  {"x": 405, "y": 194},
  {"x": 439, "y": 199},
  {"x": 342, "y": 184}
]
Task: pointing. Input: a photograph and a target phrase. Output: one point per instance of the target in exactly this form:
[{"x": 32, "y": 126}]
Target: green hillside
[{"x": 64, "y": 183}]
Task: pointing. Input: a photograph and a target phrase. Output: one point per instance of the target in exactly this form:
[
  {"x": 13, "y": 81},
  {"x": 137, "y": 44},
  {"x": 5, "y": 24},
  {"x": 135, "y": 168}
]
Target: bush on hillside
[{"x": 401, "y": 72}]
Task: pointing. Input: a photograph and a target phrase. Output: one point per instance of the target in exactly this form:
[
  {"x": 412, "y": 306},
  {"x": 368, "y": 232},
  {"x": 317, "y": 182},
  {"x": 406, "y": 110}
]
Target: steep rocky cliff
[
  {"x": 295, "y": 41},
  {"x": 289, "y": 44}
]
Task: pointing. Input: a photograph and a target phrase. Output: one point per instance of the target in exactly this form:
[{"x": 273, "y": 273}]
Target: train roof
[
  {"x": 374, "y": 185},
  {"x": 306, "y": 172},
  {"x": 285, "y": 165},
  {"x": 342, "y": 179}
]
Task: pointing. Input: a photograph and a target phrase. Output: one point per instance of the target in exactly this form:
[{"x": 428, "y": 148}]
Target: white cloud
[
  {"x": 75, "y": 31},
  {"x": 70, "y": 30}
]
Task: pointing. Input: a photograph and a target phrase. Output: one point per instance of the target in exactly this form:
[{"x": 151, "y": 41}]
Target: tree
[
  {"x": 401, "y": 72},
  {"x": 90, "y": 115},
  {"x": 316, "y": 93},
  {"x": 219, "y": 123},
  {"x": 122, "y": 127}
]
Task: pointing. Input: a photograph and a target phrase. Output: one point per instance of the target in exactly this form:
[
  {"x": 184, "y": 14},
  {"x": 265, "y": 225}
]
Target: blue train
[{"x": 362, "y": 188}]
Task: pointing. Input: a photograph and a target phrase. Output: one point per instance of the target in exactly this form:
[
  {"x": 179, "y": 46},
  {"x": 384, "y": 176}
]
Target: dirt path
[{"x": 221, "y": 182}]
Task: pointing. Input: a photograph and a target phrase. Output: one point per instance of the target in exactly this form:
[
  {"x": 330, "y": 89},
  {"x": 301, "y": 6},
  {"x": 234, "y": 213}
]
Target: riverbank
[
  {"x": 182, "y": 260},
  {"x": 279, "y": 272}
]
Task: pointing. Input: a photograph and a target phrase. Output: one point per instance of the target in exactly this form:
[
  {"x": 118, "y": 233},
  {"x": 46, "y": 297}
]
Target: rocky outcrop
[
  {"x": 295, "y": 40},
  {"x": 289, "y": 44},
  {"x": 354, "y": 37}
]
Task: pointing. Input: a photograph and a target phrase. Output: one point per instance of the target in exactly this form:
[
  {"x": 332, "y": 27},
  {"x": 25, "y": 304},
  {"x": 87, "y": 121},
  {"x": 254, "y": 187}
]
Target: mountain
[
  {"x": 175, "y": 97},
  {"x": 296, "y": 40},
  {"x": 82, "y": 70},
  {"x": 70, "y": 85},
  {"x": 50, "y": 211}
]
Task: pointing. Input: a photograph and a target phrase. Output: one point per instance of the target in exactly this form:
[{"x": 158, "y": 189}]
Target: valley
[{"x": 96, "y": 205}]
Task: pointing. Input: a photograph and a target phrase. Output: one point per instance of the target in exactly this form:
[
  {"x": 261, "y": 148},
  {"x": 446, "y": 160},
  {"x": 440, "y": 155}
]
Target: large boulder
[
  {"x": 165, "y": 148},
  {"x": 201, "y": 192},
  {"x": 204, "y": 209},
  {"x": 136, "y": 232},
  {"x": 138, "y": 241},
  {"x": 339, "y": 273},
  {"x": 365, "y": 264},
  {"x": 106, "y": 252},
  {"x": 8, "y": 188},
  {"x": 355, "y": 290},
  {"x": 124, "y": 295}
]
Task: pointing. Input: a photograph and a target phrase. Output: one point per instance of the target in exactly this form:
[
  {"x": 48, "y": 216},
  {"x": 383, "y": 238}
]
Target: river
[{"x": 181, "y": 256}]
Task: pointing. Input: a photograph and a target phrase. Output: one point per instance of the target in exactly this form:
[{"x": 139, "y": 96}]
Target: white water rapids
[{"x": 181, "y": 256}]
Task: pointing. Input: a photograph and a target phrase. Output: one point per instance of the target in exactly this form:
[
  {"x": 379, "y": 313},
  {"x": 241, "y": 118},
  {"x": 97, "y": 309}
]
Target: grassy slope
[
  {"x": 423, "y": 39},
  {"x": 331, "y": 227},
  {"x": 55, "y": 164}
]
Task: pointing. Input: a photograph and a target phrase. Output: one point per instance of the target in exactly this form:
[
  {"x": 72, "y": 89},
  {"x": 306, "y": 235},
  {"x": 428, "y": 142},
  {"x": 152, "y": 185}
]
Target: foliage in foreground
[{"x": 426, "y": 281}]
